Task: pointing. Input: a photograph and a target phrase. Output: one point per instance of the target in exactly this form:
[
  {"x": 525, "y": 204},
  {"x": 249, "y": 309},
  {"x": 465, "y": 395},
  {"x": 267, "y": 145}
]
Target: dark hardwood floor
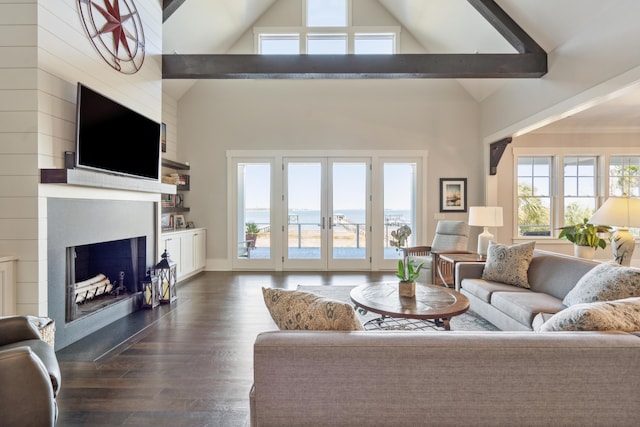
[{"x": 187, "y": 364}]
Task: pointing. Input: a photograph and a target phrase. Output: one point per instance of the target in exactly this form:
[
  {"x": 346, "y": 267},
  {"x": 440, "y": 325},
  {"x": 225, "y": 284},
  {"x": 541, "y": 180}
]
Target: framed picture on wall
[{"x": 453, "y": 194}]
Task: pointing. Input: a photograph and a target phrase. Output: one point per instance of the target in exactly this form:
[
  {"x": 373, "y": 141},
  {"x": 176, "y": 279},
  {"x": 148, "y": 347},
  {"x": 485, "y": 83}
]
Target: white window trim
[{"x": 557, "y": 154}]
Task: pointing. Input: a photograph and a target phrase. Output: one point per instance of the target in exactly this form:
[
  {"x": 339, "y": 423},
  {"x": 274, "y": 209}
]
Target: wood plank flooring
[{"x": 188, "y": 364}]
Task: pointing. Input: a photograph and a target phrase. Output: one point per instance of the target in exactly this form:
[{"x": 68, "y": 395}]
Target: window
[
  {"x": 327, "y": 31},
  {"x": 579, "y": 188},
  {"x": 368, "y": 44},
  {"x": 624, "y": 176},
  {"x": 558, "y": 188},
  {"x": 534, "y": 196},
  {"x": 327, "y": 13},
  {"x": 327, "y": 44},
  {"x": 279, "y": 44}
]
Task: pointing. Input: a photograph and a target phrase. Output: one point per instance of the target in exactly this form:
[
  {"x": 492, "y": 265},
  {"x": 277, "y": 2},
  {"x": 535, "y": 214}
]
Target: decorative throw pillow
[
  {"x": 509, "y": 264},
  {"x": 619, "y": 315},
  {"x": 605, "y": 282},
  {"x": 308, "y": 311}
]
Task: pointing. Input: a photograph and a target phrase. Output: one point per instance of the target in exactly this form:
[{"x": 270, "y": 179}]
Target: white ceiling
[{"x": 440, "y": 26}]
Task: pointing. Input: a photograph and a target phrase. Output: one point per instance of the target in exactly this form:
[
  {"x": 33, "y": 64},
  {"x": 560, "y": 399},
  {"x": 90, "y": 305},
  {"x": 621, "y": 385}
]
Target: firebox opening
[{"x": 101, "y": 274}]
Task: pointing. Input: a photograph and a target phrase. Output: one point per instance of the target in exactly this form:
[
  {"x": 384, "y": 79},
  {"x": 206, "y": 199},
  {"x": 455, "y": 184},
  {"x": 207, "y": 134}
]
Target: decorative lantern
[
  {"x": 150, "y": 296},
  {"x": 166, "y": 270}
]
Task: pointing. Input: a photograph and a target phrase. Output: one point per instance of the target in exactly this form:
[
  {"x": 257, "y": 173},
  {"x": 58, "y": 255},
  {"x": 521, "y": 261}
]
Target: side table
[{"x": 445, "y": 266}]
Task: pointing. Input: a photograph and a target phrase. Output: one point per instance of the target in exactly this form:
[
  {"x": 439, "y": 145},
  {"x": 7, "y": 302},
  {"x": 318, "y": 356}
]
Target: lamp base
[
  {"x": 483, "y": 241},
  {"x": 622, "y": 244}
]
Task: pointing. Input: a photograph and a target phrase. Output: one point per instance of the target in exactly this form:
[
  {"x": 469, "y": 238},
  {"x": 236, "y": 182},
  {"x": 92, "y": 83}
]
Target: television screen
[{"x": 113, "y": 138}]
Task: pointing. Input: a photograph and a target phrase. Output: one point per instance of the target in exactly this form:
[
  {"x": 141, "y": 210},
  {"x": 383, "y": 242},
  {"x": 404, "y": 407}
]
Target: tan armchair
[
  {"x": 29, "y": 375},
  {"x": 450, "y": 236}
]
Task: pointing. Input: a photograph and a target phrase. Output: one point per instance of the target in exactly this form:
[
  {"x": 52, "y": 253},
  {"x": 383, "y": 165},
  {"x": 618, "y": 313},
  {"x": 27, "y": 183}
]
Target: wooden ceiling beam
[
  {"x": 507, "y": 27},
  {"x": 170, "y": 6},
  {"x": 409, "y": 66}
]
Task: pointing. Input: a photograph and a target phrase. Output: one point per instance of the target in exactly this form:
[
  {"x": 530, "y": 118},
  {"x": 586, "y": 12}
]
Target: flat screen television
[{"x": 115, "y": 139}]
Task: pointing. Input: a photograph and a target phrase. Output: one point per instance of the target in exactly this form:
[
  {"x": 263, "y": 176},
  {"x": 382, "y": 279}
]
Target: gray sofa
[
  {"x": 321, "y": 378},
  {"x": 511, "y": 308},
  {"x": 404, "y": 378},
  {"x": 29, "y": 375}
]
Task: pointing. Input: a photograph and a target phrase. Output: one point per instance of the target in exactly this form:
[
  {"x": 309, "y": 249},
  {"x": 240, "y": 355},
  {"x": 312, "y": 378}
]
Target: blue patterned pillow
[
  {"x": 605, "y": 282},
  {"x": 619, "y": 315},
  {"x": 509, "y": 264}
]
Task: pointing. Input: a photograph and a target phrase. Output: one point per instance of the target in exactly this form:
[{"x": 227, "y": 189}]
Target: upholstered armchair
[
  {"x": 451, "y": 236},
  {"x": 29, "y": 375}
]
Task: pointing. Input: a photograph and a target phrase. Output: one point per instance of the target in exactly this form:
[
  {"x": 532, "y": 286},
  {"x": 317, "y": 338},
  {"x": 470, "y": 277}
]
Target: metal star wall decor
[{"x": 115, "y": 29}]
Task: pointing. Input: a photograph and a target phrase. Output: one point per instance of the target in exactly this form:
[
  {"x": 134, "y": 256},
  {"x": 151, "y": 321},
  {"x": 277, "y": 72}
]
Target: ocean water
[{"x": 311, "y": 217}]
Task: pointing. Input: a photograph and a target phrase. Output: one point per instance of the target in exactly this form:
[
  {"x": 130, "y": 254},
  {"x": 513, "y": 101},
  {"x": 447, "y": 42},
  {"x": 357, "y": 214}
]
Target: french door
[{"x": 327, "y": 211}]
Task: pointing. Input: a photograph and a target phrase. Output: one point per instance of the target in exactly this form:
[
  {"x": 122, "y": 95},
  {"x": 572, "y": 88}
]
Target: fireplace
[
  {"x": 103, "y": 273},
  {"x": 91, "y": 237}
]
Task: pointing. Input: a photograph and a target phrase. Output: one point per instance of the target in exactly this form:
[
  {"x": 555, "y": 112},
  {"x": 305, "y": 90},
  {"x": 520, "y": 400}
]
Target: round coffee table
[{"x": 434, "y": 303}]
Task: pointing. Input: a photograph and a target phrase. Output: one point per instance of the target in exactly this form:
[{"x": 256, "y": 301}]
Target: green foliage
[
  {"x": 585, "y": 234},
  {"x": 574, "y": 213},
  {"x": 532, "y": 215},
  {"x": 410, "y": 272},
  {"x": 252, "y": 228}
]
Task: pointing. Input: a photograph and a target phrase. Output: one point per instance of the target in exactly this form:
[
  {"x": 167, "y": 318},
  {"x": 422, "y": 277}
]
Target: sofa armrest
[
  {"x": 467, "y": 270},
  {"x": 26, "y": 394},
  {"x": 17, "y": 328},
  {"x": 466, "y": 378}
]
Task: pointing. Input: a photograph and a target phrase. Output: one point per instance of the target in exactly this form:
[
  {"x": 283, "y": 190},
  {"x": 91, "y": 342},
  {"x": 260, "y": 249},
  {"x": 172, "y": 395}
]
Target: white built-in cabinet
[{"x": 187, "y": 248}]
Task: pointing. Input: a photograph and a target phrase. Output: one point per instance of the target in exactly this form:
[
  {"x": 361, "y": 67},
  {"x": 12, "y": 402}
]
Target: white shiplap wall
[{"x": 44, "y": 52}]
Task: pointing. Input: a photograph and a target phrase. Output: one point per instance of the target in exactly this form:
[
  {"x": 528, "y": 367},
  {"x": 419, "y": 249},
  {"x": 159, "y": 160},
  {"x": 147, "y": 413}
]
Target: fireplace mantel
[{"x": 85, "y": 178}]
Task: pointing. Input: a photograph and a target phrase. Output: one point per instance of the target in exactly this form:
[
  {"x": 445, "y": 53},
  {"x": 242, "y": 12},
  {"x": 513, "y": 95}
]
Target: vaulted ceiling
[{"x": 439, "y": 26}]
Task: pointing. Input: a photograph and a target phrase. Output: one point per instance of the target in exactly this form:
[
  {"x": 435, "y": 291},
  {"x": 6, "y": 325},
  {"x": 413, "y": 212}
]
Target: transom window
[
  {"x": 327, "y": 31},
  {"x": 327, "y": 13},
  {"x": 279, "y": 44}
]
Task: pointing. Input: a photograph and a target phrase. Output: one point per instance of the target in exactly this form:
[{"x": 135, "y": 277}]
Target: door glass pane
[
  {"x": 349, "y": 214},
  {"x": 254, "y": 211},
  {"x": 304, "y": 182},
  {"x": 399, "y": 204}
]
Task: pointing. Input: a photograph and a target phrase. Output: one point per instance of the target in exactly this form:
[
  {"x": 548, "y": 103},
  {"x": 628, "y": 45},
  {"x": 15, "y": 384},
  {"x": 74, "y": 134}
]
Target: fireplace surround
[{"x": 125, "y": 230}]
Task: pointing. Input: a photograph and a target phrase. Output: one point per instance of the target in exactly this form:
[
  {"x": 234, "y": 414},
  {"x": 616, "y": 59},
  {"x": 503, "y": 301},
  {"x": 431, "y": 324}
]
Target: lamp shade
[
  {"x": 485, "y": 216},
  {"x": 622, "y": 213},
  {"x": 618, "y": 212}
]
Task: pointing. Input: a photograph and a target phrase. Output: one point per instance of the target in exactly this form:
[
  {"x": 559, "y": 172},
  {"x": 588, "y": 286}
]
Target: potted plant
[
  {"x": 585, "y": 238},
  {"x": 407, "y": 273},
  {"x": 251, "y": 234}
]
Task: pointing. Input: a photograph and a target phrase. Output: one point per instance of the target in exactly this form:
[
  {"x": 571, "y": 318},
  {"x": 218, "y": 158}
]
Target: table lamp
[
  {"x": 621, "y": 213},
  {"x": 485, "y": 216}
]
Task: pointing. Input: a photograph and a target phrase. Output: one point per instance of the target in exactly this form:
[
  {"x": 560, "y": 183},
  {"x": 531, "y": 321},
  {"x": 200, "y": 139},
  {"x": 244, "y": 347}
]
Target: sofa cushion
[
  {"x": 482, "y": 289},
  {"x": 556, "y": 274},
  {"x": 619, "y": 315},
  {"x": 308, "y": 311},
  {"x": 540, "y": 320},
  {"x": 508, "y": 264},
  {"x": 605, "y": 282},
  {"x": 524, "y": 306}
]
